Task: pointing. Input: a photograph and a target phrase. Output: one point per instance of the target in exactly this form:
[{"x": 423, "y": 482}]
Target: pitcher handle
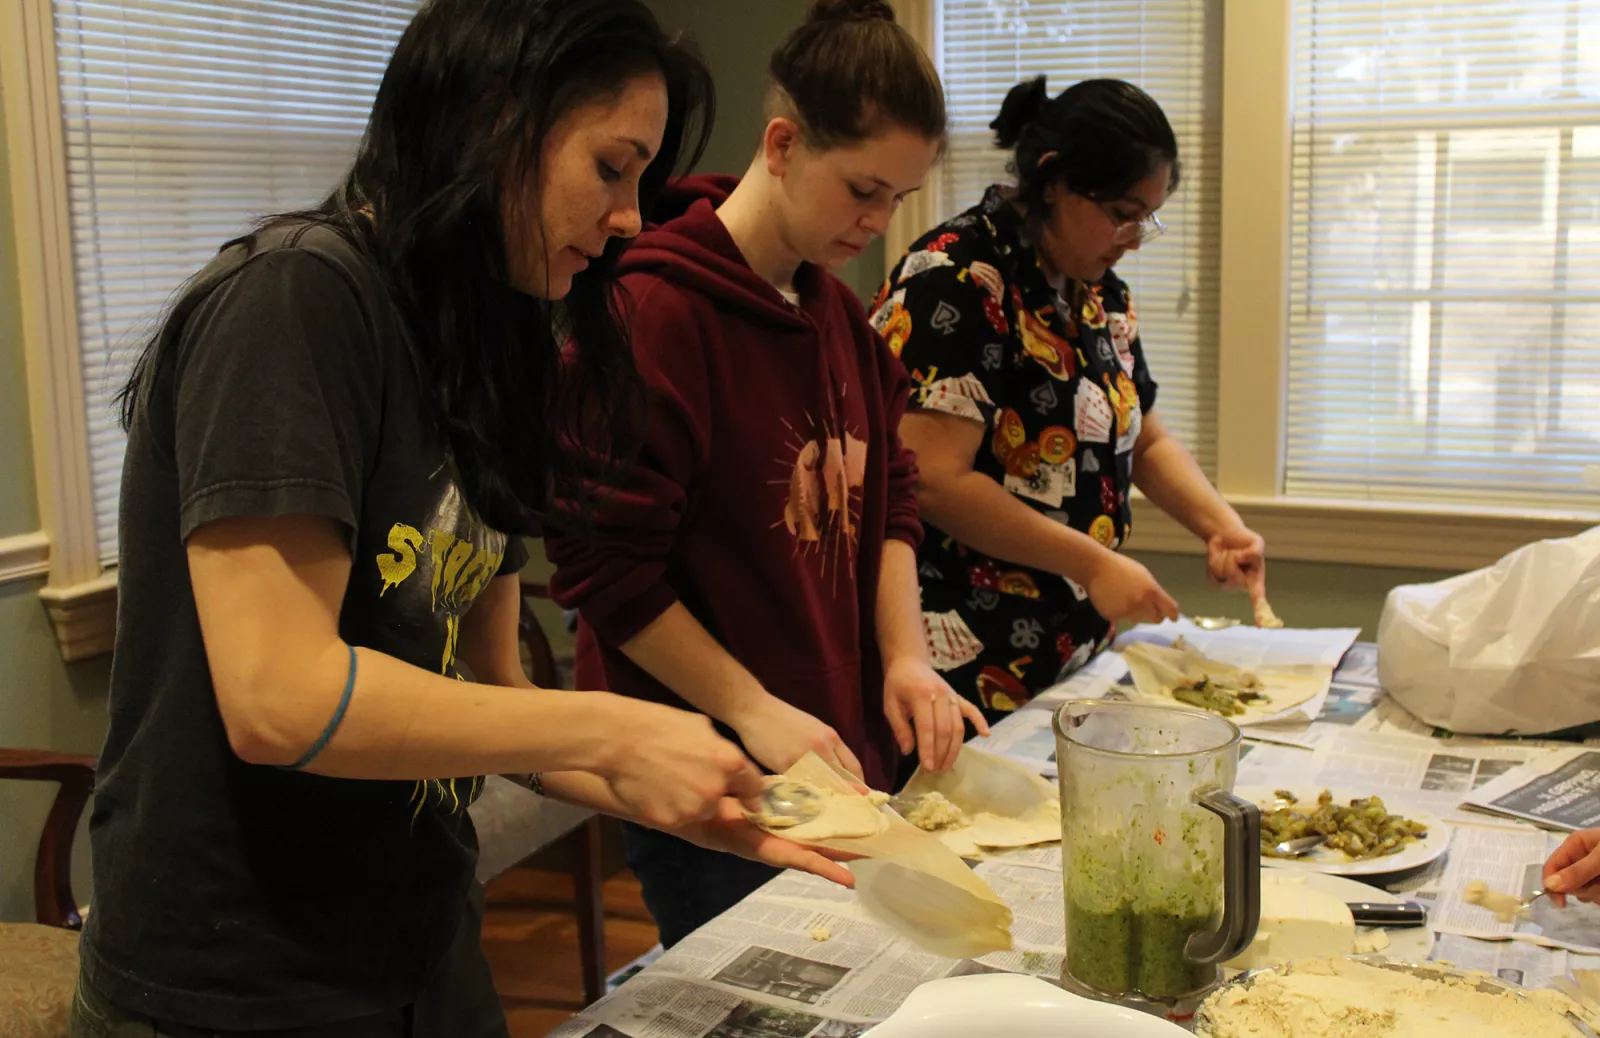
[{"x": 1241, "y": 868}]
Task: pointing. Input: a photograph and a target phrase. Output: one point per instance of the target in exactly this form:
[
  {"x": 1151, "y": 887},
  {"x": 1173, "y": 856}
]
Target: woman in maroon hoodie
[{"x": 758, "y": 561}]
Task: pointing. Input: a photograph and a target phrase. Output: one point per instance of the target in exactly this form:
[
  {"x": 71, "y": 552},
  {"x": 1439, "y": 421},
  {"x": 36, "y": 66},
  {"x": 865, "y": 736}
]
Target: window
[
  {"x": 1444, "y": 307},
  {"x": 184, "y": 120},
  {"x": 1172, "y": 49}
]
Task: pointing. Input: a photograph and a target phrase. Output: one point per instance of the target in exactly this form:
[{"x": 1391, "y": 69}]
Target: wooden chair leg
[{"x": 588, "y": 887}]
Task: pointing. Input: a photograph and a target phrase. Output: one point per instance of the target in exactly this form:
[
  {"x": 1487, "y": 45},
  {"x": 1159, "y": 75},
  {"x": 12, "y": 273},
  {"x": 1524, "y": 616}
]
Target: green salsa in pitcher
[{"x": 1148, "y": 911}]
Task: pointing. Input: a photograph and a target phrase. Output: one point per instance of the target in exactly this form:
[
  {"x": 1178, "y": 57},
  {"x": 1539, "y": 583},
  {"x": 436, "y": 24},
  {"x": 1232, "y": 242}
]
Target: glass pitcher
[{"x": 1161, "y": 863}]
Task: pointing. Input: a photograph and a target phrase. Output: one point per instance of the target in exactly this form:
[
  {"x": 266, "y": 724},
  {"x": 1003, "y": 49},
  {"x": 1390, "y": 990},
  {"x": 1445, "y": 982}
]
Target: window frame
[
  {"x": 79, "y": 594},
  {"x": 1252, "y": 368}
]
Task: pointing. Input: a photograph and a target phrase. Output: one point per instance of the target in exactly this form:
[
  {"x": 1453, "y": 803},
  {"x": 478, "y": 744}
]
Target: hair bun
[
  {"x": 1022, "y": 106},
  {"x": 851, "y": 11}
]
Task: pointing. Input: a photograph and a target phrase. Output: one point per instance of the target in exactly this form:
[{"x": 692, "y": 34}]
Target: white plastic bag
[{"x": 1511, "y": 648}]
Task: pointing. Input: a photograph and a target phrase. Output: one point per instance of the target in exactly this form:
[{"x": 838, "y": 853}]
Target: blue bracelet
[{"x": 333, "y": 724}]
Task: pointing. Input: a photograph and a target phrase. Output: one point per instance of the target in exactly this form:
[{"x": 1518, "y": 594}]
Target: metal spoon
[
  {"x": 1214, "y": 623},
  {"x": 1298, "y": 848},
  {"x": 904, "y": 805},
  {"x": 785, "y": 803},
  {"x": 1503, "y": 906}
]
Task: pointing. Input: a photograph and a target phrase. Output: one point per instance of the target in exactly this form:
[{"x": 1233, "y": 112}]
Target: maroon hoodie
[{"x": 771, "y": 477}]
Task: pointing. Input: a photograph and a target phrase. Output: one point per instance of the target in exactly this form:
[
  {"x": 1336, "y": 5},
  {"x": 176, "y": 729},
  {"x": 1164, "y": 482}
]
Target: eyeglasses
[{"x": 1147, "y": 229}]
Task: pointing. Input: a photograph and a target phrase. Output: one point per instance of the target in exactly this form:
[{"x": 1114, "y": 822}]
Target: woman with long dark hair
[
  {"x": 1034, "y": 415},
  {"x": 335, "y": 440},
  {"x": 757, "y": 563}
]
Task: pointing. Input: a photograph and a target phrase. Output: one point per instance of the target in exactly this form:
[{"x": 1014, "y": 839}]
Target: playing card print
[
  {"x": 951, "y": 642},
  {"x": 964, "y": 397},
  {"x": 1093, "y": 416}
]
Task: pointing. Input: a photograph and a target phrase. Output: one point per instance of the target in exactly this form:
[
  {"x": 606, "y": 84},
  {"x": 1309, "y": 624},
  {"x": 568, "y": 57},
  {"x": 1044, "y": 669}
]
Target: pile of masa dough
[{"x": 1333, "y": 998}]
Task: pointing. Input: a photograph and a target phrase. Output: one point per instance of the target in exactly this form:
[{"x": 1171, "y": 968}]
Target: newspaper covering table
[
  {"x": 800, "y": 958},
  {"x": 1562, "y": 792}
]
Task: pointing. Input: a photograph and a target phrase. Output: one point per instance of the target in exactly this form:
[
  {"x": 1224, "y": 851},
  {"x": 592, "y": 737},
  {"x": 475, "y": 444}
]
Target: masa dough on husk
[
  {"x": 1158, "y": 669},
  {"x": 905, "y": 878},
  {"x": 1005, "y": 804}
]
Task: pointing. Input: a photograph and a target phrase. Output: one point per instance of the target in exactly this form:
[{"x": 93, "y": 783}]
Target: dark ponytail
[
  {"x": 849, "y": 72},
  {"x": 1107, "y": 135},
  {"x": 1023, "y": 104}
]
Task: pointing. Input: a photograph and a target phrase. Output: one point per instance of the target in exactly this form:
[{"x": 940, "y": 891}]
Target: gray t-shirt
[{"x": 235, "y": 896}]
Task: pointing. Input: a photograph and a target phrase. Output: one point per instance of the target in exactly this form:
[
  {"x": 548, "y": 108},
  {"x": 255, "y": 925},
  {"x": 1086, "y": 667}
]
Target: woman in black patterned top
[{"x": 1034, "y": 414}]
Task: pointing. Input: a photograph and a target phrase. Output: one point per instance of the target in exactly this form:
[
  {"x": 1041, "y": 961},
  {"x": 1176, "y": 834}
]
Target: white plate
[
  {"x": 1407, "y": 943},
  {"x": 1014, "y": 1006},
  {"x": 1335, "y": 863}
]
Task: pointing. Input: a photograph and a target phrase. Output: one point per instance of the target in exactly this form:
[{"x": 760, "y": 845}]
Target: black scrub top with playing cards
[{"x": 1061, "y": 385}]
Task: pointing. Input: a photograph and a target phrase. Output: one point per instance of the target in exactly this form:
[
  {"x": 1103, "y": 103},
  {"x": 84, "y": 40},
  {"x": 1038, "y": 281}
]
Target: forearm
[
  {"x": 982, "y": 514},
  {"x": 584, "y": 789},
  {"x": 899, "y": 606},
  {"x": 677, "y": 650},
  {"x": 1169, "y": 476},
  {"x": 405, "y": 723}
]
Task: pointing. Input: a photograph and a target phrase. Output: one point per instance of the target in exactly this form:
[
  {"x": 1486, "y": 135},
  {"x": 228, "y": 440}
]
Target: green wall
[
  {"x": 43, "y": 702},
  {"x": 19, "y": 504},
  {"x": 737, "y": 41}
]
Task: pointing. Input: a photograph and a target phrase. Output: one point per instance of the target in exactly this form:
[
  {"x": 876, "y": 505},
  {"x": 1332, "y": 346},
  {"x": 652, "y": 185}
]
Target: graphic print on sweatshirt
[{"x": 824, "y": 474}]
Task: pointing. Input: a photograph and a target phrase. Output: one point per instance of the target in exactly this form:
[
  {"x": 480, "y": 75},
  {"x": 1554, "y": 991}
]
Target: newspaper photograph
[
  {"x": 652, "y": 1006},
  {"x": 1558, "y": 789},
  {"x": 1368, "y": 708},
  {"x": 1434, "y": 776},
  {"x": 1360, "y": 665}
]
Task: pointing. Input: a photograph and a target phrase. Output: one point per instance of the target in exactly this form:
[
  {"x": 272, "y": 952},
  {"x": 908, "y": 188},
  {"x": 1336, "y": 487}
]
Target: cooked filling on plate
[{"x": 1363, "y": 829}]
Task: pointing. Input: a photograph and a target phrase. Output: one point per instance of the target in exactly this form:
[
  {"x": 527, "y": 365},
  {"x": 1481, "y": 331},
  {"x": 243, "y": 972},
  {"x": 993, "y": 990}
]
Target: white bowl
[{"x": 1016, "y": 1007}]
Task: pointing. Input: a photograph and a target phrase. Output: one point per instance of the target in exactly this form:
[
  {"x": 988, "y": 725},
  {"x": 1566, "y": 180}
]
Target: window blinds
[
  {"x": 1444, "y": 340},
  {"x": 185, "y": 120},
  {"x": 1170, "y": 48}
]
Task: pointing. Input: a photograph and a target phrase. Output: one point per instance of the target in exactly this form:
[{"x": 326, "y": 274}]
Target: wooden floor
[{"x": 530, "y": 936}]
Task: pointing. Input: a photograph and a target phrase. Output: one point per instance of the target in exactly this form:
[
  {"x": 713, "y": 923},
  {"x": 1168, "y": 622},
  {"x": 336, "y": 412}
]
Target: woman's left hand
[
  {"x": 926, "y": 713},
  {"x": 1236, "y": 560},
  {"x": 730, "y": 831}
]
